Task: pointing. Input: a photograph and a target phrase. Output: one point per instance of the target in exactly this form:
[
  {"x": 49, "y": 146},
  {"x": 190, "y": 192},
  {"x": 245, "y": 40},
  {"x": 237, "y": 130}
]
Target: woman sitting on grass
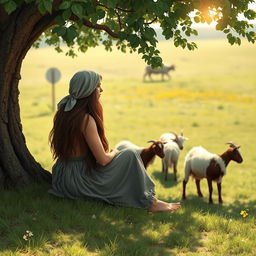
[{"x": 85, "y": 168}]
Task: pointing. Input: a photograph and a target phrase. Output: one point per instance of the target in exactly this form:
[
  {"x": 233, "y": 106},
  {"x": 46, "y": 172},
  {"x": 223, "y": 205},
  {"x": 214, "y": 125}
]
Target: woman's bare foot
[{"x": 161, "y": 206}]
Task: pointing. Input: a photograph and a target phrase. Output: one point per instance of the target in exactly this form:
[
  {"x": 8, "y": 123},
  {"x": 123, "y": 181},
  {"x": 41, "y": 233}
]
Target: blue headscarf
[{"x": 81, "y": 85}]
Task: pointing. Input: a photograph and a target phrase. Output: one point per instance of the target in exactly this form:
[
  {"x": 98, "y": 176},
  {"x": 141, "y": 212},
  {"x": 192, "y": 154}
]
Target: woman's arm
[{"x": 92, "y": 138}]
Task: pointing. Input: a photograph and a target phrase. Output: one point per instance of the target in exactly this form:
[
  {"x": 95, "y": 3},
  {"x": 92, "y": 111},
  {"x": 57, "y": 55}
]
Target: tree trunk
[{"x": 17, "y": 34}]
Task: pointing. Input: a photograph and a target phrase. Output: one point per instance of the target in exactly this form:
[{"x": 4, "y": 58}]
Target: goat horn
[
  {"x": 174, "y": 133},
  {"x": 152, "y": 141},
  {"x": 231, "y": 144}
]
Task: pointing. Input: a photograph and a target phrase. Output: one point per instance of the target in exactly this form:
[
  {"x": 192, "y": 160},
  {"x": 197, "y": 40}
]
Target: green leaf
[
  {"x": 122, "y": 35},
  {"x": 47, "y": 6},
  {"x": 149, "y": 33},
  {"x": 190, "y": 47},
  {"x": 59, "y": 20},
  {"x": 231, "y": 39},
  {"x": 194, "y": 32},
  {"x": 141, "y": 50},
  {"x": 145, "y": 57},
  {"x": 65, "y": 5},
  {"x": 221, "y": 25},
  {"x": 187, "y": 33},
  {"x": 77, "y": 9},
  {"x": 131, "y": 18},
  {"x": 156, "y": 62},
  {"x": 66, "y": 14},
  {"x": 10, "y": 6},
  {"x": 136, "y": 26},
  {"x": 100, "y": 14},
  {"x": 41, "y": 8},
  {"x": 60, "y": 31},
  {"x": 250, "y": 14},
  {"x": 111, "y": 3},
  {"x": 71, "y": 34},
  {"x": 197, "y": 19},
  {"x": 168, "y": 34},
  {"x": 134, "y": 40}
]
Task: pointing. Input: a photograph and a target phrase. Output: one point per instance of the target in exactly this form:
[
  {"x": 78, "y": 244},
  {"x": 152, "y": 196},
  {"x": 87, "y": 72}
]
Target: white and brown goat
[
  {"x": 200, "y": 164},
  {"x": 147, "y": 154}
]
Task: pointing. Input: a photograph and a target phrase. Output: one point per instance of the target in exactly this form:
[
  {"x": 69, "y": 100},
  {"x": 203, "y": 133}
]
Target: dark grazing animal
[
  {"x": 200, "y": 164},
  {"x": 163, "y": 71}
]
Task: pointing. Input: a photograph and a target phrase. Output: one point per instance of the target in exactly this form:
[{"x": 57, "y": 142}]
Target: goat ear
[{"x": 237, "y": 147}]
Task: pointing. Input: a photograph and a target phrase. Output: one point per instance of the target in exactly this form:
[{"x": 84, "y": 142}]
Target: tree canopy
[
  {"x": 128, "y": 24},
  {"x": 125, "y": 24}
]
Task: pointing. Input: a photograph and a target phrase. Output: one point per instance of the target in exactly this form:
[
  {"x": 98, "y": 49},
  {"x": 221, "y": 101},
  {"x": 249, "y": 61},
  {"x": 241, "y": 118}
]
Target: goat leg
[
  {"x": 162, "y": 166},
  {"x": 184, "y": 190},
  {"x": 175, "y": 171},
  {"x": 198, "y": 188},
  {"x": 210, "y": 190},
  {"x": 165, "y": 173},
  {"x": 219, "y": 192}
]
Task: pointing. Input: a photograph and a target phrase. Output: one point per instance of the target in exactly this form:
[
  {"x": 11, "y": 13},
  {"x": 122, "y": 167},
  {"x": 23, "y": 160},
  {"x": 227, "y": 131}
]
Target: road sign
[{"x": 53, "y": 76}]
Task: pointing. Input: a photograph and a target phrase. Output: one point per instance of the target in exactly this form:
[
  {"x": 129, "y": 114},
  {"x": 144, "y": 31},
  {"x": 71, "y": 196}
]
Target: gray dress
[{"x": 124, "y": 181}]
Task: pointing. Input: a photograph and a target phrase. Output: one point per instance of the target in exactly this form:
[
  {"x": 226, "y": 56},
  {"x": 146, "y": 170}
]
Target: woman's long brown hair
[{"x": 66, "y": 134}]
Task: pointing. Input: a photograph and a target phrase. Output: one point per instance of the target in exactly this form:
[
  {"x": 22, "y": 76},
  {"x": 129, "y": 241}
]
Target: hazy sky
[{"x": 213, "y": 24}]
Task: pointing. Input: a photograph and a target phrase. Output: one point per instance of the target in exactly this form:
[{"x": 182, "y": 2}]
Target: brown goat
[
  {"x": 148, "y": 154},
  {"x": 202, "y": 164}
]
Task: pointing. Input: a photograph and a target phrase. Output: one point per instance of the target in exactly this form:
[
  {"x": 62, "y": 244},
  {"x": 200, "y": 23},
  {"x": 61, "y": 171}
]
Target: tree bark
[{"x": 17, "y": 34}]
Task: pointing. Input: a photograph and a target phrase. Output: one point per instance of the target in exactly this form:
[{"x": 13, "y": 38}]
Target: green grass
[{"x": 211, "y": 97}]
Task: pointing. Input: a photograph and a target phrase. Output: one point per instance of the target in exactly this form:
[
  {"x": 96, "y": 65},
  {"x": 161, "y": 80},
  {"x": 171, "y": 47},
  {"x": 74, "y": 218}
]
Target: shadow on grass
[
  {"x": 61, "y": 223},
  {"x": 100, "y": 228},
  {"x": 225, "y": 210},
  {"x": 155, "y": 81},
  {"x": 158, "y": 175}
]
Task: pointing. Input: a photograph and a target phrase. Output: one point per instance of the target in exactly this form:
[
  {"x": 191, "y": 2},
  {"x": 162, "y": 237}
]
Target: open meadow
[{"x": 211, "y": 98}]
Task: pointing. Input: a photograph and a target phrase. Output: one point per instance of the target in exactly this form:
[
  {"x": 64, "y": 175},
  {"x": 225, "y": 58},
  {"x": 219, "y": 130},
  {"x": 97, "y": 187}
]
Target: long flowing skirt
[{"x": 124, "y": 181}]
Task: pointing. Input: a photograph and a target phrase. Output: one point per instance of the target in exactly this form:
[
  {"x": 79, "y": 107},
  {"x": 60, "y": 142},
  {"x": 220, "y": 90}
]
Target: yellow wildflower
[{"x": 244, "y": 213}]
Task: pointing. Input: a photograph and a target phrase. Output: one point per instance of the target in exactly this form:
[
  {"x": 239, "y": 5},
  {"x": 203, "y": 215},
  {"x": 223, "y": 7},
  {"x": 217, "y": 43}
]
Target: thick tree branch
[
  {"x": 101, "y": 27},
  {"x": 3, "y": 16},
  {"x": 88, "y": 24},
  {"x": 46, "y": 22}
]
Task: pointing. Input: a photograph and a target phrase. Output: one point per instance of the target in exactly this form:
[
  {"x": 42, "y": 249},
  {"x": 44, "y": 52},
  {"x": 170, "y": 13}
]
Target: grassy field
[{"x": 211, "y": 97}]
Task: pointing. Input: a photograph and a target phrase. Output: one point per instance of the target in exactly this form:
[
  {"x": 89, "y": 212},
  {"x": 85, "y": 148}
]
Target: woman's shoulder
[{"x": 88, "y": 121}]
